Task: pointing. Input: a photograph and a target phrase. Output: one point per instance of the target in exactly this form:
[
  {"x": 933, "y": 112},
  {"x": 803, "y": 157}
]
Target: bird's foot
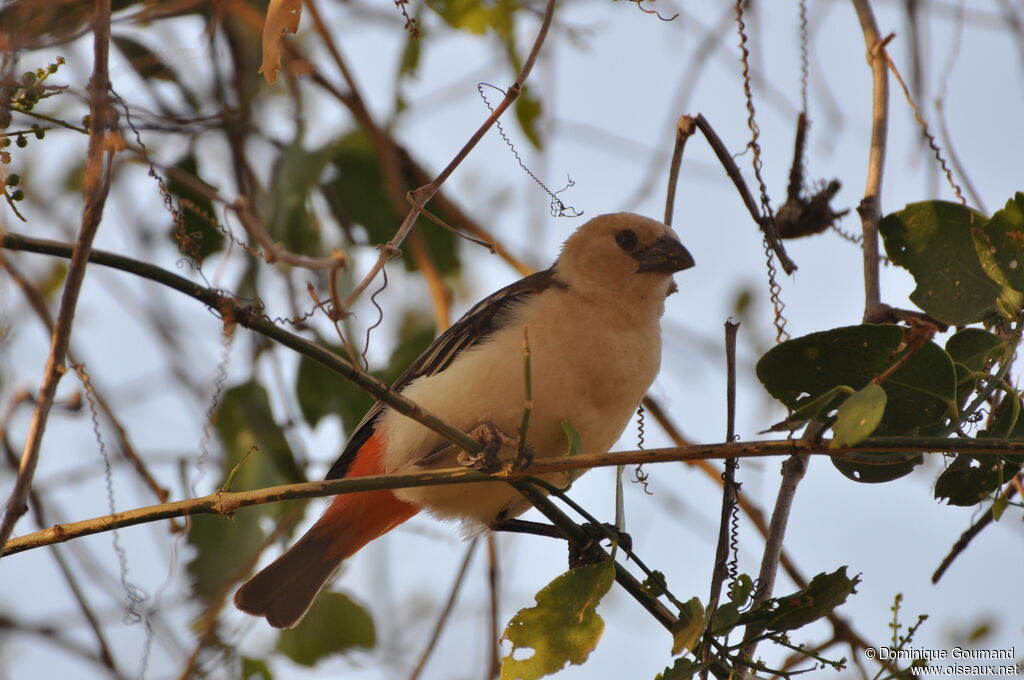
[
  {"x": 494, "y": 440},
  {"x": 596, "y": 533}
]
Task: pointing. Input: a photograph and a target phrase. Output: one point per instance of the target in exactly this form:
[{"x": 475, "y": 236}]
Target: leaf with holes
[
  {"x": 934, "y": 240},
  {"x": 563, "y": 627},
  {"x": 920, "y": 393},
  {"x": 1000, "y": 243}
]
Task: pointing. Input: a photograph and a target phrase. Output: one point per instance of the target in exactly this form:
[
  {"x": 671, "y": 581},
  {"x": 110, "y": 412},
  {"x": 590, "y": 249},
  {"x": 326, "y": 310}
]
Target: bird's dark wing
[{"x": 475, "y": 326}]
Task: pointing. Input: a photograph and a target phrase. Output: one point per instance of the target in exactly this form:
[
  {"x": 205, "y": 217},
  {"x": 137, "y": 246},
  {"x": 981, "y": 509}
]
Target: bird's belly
[{"x": 489, "y": 387}]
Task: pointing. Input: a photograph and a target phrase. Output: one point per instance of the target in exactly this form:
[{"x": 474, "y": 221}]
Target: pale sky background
[{"x": 610, "y": 107}]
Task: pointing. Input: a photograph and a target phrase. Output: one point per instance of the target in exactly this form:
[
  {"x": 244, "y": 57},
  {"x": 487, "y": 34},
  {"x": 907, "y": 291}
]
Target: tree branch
[
  {"x": 421, "y": 196},
  {"x": 96, "y": 186},
  {"x": 225, "y": 502},
  {"x": 870, "y": 208}
]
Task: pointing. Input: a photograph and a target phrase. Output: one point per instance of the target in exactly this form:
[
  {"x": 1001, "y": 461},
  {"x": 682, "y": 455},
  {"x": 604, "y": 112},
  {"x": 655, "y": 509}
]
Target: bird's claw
[{"x": 493, "y": 441}]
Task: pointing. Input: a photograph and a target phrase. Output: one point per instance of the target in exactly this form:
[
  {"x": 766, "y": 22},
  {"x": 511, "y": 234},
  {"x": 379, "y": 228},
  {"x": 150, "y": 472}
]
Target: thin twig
[
  {"x": 965, "y": 538},
  {"x": 421, "y": 196},
  {"x": 684, "y": 130},
  {"x": 493, "y": 576},
  {"x": 870, "y": 208},
  {"x": 726, "y": 159},
  {"x": 730, "y": 489},
  {"x": 96, "y": 185}
]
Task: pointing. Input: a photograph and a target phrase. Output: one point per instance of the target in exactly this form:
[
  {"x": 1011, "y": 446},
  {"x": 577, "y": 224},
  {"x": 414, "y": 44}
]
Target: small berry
[
  {"x": 60, "y": 61},
  {"x": 5, "y": 142},
  {"x": 13, "y": 180},
  {"x": 40, "y": 133},
  {"x": 18, "y": 195},
  {"x": 52, "y": 68},
  {"x": 86, "y": 120},
  {"x": 28, "y": 78},
  {"x": 31, "y": 95},
  {"x": 21, "y": 142}
]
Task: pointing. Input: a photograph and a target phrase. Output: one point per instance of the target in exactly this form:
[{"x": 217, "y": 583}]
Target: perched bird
[{"x": 595, "y": 345}]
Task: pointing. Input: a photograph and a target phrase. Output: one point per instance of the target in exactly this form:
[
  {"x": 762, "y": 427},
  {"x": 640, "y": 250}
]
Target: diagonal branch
[
  {"x": 421, "y": 196},
  {"x": 96, "y": 186}
]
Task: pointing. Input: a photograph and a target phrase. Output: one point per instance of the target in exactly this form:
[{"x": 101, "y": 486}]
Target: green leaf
[
  {"x": 687, "y": 630},
  {"x": 150, "y": 66},
  {"x": 921, "y": 393},
  {"x": 999, "y": 505},
  {"x": 858, "y": 416},
  {"x": 971, "y": 350},
  {"x": 285, "y": 208},
  {"x": 573, "y": 438},
  {"x": 476, "y": 16},
  {"x": 822, "y": 595},
  {"x": 321, "y": 391},
  {"x": 410, "y": 60},
  {"x": 357, "y": 194},
  {"x": 812, "y": 409},
  {"x": 683, "y": 669},
  {"x": 726, "y": 617},
  {"x": 248, "y": 430},
  {"x": 934, "y": 240},
  {"x": 971, "y": 479},
  {"x": 255, "y": 669},
  {"x": 974, "y": 348},
  {"x": 334, "y": 625},
  {"x": 563, "y": 627},
  {"x": 202, "y": 238},
  {"x": 1000, "y": 243},
  {"x": 223, "y": 547},
  {"x": 528, "y": 110},
  {"x": 740, "y": 589}
]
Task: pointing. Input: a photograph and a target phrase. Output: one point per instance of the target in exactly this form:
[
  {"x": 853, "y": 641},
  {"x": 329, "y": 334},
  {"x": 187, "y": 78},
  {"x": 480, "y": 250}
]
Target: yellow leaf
[{"x": 282, "y": 18}]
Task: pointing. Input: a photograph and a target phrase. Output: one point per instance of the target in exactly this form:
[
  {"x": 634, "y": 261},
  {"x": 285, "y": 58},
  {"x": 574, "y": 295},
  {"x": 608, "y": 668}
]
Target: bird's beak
[{"x": 666, "y": 255}]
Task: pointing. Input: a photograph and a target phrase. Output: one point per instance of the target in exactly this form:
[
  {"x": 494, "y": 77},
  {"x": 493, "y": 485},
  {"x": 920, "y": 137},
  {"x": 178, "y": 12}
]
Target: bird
[{"x": 593, "y": 325}]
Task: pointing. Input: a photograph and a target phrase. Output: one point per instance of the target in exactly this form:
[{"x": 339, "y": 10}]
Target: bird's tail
[{"x": 284, "y": 590}]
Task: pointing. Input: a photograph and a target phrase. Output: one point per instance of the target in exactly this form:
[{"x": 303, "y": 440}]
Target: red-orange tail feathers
[{"x": 284, "y": 590}]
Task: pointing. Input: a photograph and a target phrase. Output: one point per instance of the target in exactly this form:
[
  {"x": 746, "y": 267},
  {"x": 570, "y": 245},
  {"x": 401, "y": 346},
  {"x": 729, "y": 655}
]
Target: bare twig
[
  {"x": 726, "y": 159},
  {"x": 96, "y": 185},
  {"x": 969, "y": 535},
  {"x": 421, "y": 196},
  {"x": 730, "y": 489},
  {"x": 870, "y": 208},
  {"x": 684, "y": 130}
]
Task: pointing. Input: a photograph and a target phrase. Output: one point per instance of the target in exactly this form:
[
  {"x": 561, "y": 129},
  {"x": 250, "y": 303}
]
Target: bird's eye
[{"x": 626, "y": 239}]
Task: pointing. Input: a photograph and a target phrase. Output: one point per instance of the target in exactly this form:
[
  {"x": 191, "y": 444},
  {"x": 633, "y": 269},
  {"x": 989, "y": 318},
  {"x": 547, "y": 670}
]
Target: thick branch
[{"x": 96, "y": 186}]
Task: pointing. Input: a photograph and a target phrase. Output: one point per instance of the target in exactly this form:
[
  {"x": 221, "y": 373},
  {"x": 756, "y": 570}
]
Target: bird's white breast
[{"x": 590, "y": 364}]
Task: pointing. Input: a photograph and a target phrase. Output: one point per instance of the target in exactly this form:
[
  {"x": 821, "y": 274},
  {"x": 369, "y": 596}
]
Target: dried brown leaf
[{"x": 282, "y": 18}]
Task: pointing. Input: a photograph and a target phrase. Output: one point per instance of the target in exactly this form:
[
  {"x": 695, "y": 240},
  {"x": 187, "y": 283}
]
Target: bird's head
[{"x": 623, "y": 252}]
